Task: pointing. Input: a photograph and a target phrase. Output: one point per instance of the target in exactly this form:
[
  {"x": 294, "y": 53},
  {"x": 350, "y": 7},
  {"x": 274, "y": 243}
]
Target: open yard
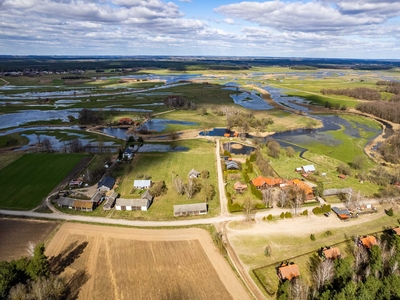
[
  {"x": 103, "y": 262},
  {"x": 29, "y": 179},
  {"x": 15, "y": 234},
  {"x": 164, "y": 166}
]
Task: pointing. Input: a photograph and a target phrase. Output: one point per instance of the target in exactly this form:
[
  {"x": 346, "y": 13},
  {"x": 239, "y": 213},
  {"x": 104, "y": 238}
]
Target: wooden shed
[
  {"x": 110, "y": 201},
  {"x": 132, "y": 204}
]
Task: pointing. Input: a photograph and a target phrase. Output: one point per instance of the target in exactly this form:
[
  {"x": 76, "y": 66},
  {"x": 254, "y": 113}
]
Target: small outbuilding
[
  {"x": 194, "y": 174},
  {"x": 75, "y": 184},
  {"x": 143, "y": 203},
  {"x": 239, "y": 187},
  {"x": 106, "y": 184},
  {"x": 190, "y": 209},
  {"x": 128, "y": 153},
  {"x": 396, "y": 231},
  {"x": 142, "y": 184}
]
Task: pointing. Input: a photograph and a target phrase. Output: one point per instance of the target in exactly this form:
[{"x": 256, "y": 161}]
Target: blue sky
[{"x": 280, "y": 28}]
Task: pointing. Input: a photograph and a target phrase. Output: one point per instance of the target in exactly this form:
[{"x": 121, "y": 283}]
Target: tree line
[
  {"x": 382, "y": 109},
  {"x": 357, "y": 93}
]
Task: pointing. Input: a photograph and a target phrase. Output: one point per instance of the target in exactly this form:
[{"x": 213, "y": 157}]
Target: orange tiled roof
[
  {"x": 259, "y": 181},
  {"x": 227, "y": 135},
  {"x": 397, "y": 230},
  {"x": 369, "y": 241},
  {"x": 289, "y": 272},
  {"x": 332, "y": 252},
  {"x": 301, "y": 185}
]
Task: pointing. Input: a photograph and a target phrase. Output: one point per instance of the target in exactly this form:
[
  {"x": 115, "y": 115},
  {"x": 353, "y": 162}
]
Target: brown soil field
[
  {"x": 15, "y": 234},
  {"x": 104, "y": 262}
]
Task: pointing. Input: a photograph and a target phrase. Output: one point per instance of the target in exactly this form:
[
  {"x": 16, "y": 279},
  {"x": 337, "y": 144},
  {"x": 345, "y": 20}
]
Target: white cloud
[{"x": 229, "y": 21}]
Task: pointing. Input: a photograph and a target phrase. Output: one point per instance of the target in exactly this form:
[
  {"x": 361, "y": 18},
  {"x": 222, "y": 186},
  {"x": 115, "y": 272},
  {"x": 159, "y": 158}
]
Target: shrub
[
  {"x": 269, "y": 218},
  {"x": 305, "y": 213},
  {"x": 389, "y": 212},
  {"x": 317, "y": 210},
  {"x": 288, "y": 215},
  {"x": 282, "y": 216},
  {"x": 328, "y": 233},
  {"x": 312, "y": 237}
]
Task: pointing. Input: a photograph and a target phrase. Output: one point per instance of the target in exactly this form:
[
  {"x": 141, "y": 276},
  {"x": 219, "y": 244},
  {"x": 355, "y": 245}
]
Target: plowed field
[{"x": 102, "y": 262}]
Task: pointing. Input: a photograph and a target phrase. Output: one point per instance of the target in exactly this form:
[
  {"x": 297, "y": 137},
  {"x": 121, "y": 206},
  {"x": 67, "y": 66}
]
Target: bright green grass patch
[
  {"x": 28, "y": 180},
  {"x": 164, "y": 166}
]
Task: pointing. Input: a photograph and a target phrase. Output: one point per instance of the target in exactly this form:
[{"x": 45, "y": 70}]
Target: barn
[
  {"x": 106, "y": 184},
  {"x": 110, "y": 201},
  {"x": 132, "y": 204},
  {"x": 142, "y": 184},
  {"x": 190, "y": 209}
]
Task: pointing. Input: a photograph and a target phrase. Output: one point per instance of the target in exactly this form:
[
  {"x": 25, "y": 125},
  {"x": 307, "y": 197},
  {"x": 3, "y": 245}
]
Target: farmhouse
[
  {"x": 142, "y": 184},
  {"x": 265, "y": 182},
  {"x": 190, "y": 209},
  {"x": 367, "y": 241},
  {"x": 231, "y": 165},
  {"x": 106, "y": 184},
  {"x": 330, "y": 253},
  {"x": 110, "y": 201},
  {"x": 239, "y": 187},
  {"x": 194, "y": 174},
  {"x": 304, "y": 187},
  {"x": 288, "y": 271}
]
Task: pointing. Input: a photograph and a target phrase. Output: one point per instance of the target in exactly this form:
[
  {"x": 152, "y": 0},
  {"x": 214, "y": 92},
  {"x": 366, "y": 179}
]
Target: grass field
[
  {"x": 162, "y": 166},
  {"x": 15, "y": 234},
  {"x": 124, "y": 263},
  {"x": 28, "y": 180}
]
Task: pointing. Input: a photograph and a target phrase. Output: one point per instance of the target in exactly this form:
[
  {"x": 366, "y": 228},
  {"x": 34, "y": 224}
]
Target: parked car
[{"x": 327, "y": 214}]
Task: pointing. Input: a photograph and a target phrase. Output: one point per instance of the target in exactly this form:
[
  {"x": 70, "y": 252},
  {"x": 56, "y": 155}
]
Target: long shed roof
[{"x": 190, "y": 207}]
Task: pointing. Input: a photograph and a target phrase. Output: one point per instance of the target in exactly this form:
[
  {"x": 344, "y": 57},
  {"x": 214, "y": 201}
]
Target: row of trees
[
  {"x": 179, "y": 102},
  {"x": 382, "y": 109},
  {"x": 357, "y": 93},
  {"x": 390, "y": 149},
  {"x": 365, "y": 274}
]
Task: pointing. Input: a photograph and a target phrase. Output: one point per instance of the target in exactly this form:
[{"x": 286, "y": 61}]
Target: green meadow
[{"x": 28, "y": 180}]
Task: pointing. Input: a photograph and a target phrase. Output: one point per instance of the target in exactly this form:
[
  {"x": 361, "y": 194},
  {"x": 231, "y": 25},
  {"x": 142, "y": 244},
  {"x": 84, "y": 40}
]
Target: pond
[
  {"x": 250, "y": 100},
  {"x": 117, "y": 132},
  {"x": 236, "y": 148},
  {"x": 159, "y": 125}
]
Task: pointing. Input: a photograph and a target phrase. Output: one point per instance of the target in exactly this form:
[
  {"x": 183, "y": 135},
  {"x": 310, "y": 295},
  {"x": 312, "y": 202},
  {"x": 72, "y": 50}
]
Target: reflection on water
[
  {"x": 161, "y": 124},
  {"x": 162, "y": 148}
]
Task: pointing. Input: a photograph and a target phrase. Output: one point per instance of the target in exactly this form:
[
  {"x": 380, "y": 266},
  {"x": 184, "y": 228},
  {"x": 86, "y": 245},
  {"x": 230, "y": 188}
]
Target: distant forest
[{"x": 10, "y": 63}]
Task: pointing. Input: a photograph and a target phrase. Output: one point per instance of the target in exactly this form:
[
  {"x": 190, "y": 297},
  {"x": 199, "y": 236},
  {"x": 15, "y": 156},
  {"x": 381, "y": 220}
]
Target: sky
[{"x": 277, "y": 28}]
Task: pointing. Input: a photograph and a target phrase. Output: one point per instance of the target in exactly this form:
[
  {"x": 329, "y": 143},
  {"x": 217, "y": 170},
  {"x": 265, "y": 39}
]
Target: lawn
[
  {"x": 164, "y": 166},
  {"x": 29, "y": 179}
]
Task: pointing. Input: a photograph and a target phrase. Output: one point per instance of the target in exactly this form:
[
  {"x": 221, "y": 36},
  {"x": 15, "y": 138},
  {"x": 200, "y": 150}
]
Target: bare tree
[
  {"x": 47, "y": 145},
  {"x": 248, "y": 209},
  {"x": 31, "y": 248},
  {"x": 360, "y": 262},
  {"x": 323, "y": 273},
  {"x": 282, "y": 198},
  {"x": 190, "y": 188},
  {"x": 267, "y": 197},
  {"x": 299, "y": 290},
  {"x": 178, "y": 185}
]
